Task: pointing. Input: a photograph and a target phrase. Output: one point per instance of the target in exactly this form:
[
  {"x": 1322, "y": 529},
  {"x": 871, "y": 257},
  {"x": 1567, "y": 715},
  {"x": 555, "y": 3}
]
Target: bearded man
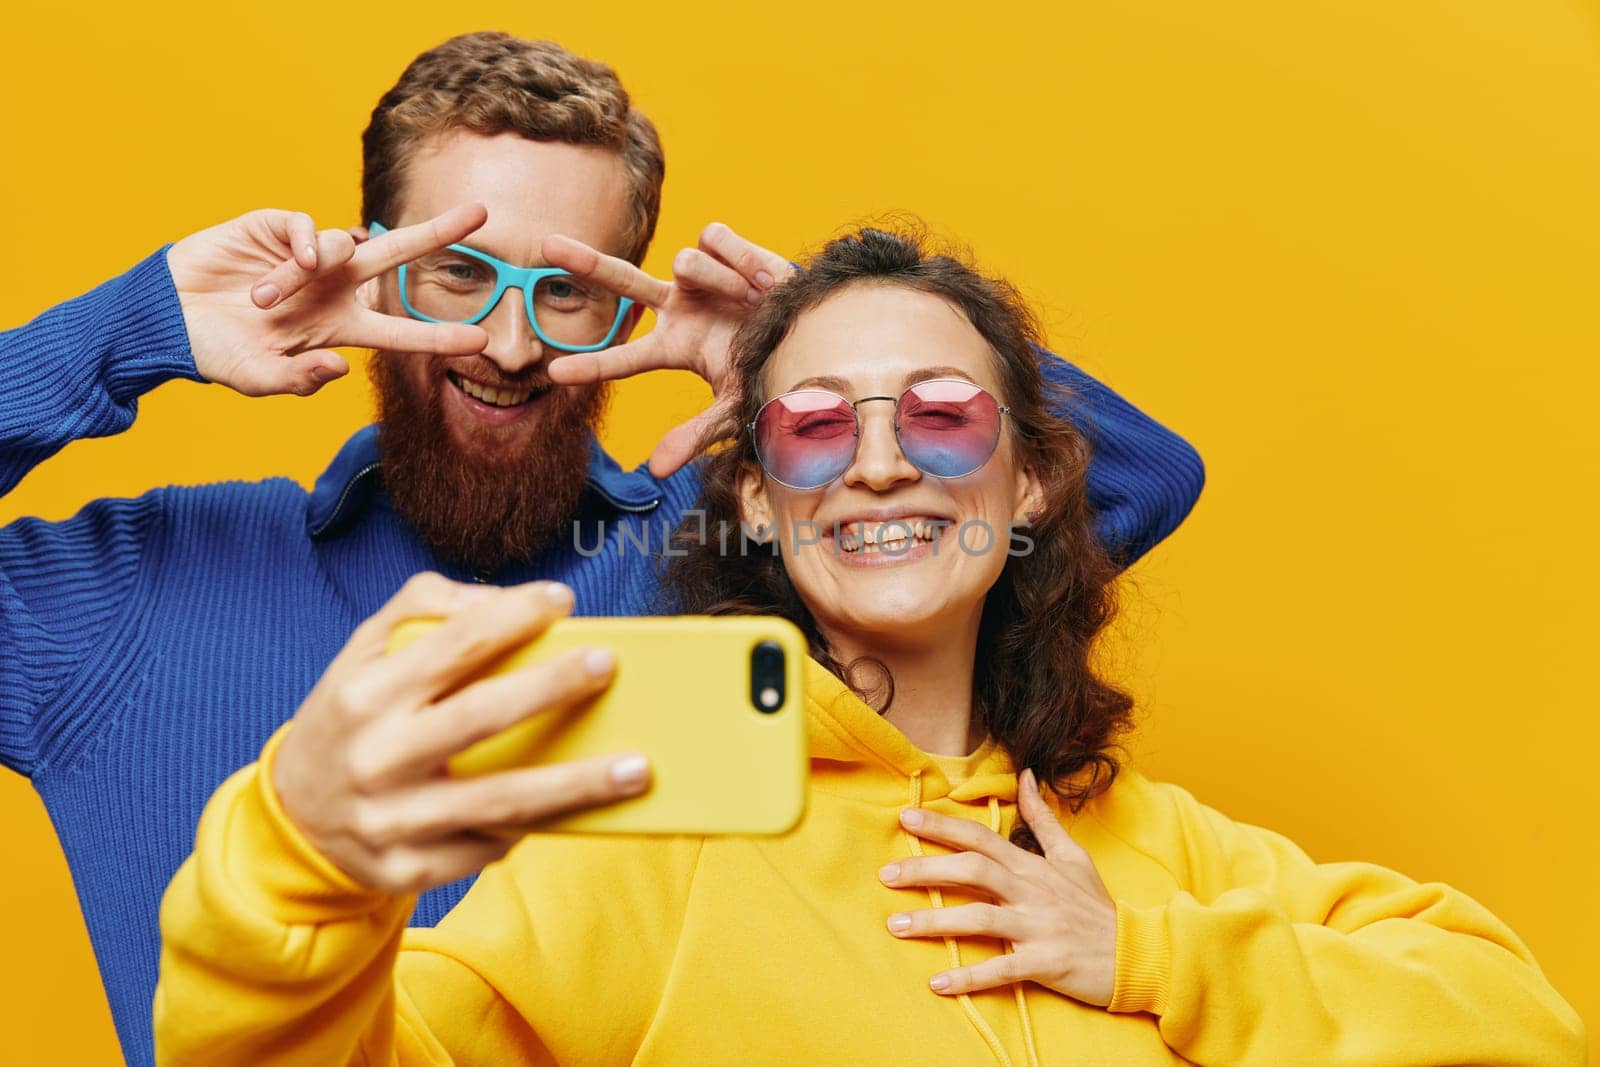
[{"x": 150, "y": 646}]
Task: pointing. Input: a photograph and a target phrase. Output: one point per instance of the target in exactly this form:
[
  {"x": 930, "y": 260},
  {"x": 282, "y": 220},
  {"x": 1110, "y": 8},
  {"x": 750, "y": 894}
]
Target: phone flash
[{"x": 768, "y": 697}]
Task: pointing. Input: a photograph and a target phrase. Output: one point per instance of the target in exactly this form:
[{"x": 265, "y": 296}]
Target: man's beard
[{"x": 473, "y": 510}]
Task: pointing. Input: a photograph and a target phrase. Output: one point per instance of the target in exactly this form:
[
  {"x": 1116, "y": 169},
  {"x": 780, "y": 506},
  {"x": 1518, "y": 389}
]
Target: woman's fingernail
[
  {"x": 310, "y": 252},
  {"x": 599, "y": 662},
  {"x": 265, "y": 295},
  {"x": 911, "y": 817},
  {"x": 889, "y": 873},
  {"x": 939, "y": 983},
  {"x": 752, "y": 296},
  {"x": 630, "y": 772},
  {"x": 899, "y": 923},
  {"x": 763, "y": 279},
  {"x": 558, "y": 595}
]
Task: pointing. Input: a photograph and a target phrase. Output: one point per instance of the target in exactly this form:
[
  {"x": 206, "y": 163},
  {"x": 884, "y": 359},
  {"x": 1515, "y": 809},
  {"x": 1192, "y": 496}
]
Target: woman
[{"x": 934, "y": 905}]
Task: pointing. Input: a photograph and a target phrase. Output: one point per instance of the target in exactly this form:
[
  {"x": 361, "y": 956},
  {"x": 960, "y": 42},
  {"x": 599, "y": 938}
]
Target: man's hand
[
  {"x": 713, "y": 287},
  {"x": 1053, "y": 909},
  {"x": 266, "y": 297},
  {"x": 362, "y": 770}
]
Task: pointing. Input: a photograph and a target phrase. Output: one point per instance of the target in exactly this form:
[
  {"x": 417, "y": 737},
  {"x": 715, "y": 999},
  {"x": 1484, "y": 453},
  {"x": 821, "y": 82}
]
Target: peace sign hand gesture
[
  {"x": 266, "y": 297},
  {"x": 713, "y": 288}
]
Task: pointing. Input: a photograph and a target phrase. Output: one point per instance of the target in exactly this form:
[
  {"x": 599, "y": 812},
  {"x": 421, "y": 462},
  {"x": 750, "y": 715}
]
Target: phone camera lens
[{"x": 767, "y": 688}]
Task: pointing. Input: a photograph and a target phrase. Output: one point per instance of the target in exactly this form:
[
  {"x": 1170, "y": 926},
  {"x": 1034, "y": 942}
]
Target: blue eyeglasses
[{"x": 461, "y": 284}]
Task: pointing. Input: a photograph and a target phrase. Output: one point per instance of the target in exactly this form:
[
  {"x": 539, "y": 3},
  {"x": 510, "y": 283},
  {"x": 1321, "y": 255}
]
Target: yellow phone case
[{"x": 683, "y": 697}]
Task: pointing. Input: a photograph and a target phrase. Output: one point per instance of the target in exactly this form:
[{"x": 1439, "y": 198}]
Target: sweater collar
[
  {"x": 855, "y": 750},
  {"x": 345, "y": 490}
]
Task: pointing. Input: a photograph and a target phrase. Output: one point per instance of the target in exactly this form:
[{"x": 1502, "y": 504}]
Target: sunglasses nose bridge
[
  {"x": 892, "y": 415},
  {"x": 879, "y": 461},
  {"x": 862, "y": 418}
]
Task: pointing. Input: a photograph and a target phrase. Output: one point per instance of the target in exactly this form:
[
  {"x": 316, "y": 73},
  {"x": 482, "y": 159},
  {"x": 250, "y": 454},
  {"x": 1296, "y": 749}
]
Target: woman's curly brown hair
[{"x": 1035, "y": 689}]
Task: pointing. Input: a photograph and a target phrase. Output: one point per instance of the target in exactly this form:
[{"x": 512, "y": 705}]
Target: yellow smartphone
[{"x": 716, "y": 702}]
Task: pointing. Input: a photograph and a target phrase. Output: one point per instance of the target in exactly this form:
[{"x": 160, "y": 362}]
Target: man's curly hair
[{"x": 491, "y": 83}]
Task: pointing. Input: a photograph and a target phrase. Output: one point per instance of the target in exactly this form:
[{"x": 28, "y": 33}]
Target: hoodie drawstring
[
  {"x": 974, "y": 1016},
  {"x": 1016, "y": 987}
]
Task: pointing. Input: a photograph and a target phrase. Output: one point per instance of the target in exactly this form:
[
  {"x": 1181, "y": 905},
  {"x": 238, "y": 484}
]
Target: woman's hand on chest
[{"x": 1054, "y": 909}]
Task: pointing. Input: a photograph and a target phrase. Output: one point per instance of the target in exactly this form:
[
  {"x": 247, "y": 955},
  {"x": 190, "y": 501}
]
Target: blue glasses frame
[{"x": 510, "y": 276}]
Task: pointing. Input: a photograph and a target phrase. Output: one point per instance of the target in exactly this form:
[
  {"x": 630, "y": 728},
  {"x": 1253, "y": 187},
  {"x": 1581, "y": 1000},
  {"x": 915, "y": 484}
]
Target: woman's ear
[
  {"x": 1030, "y": 495},
  {"x": 755, "y": 510}
]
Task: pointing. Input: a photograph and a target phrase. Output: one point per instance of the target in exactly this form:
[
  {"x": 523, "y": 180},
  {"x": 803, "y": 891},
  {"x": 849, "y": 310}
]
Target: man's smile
[
  {"x": 500, "y": 397},
  {"x": 496, "y": 405}
]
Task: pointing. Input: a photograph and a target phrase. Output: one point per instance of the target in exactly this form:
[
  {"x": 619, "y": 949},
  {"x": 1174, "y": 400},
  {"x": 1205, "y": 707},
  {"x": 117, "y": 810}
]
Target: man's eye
[
  {"x": 564, "y": 290},
  {"x": 455, "y": 272}
]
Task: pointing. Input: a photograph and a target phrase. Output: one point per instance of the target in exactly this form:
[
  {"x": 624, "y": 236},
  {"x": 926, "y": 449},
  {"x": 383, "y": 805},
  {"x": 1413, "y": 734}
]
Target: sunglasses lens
[
  {"x": 805, "y": 439},
  {"x": 948, "y": 428}
]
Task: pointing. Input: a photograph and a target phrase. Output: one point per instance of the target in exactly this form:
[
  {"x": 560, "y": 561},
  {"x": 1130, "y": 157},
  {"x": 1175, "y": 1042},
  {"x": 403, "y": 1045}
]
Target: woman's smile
[{"x": 885, "y": 540}]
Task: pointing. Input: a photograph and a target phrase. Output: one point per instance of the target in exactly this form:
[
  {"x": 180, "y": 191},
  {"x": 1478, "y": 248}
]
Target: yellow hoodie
[{"x": 1232, "y": 946}]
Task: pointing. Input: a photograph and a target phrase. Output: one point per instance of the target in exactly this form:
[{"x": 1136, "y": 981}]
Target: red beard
[{"x": 472, "y": 510}]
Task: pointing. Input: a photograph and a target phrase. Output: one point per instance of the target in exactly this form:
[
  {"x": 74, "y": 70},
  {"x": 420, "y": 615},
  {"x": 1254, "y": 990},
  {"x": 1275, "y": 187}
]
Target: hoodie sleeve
[
  {"x": 1265, "y": 957},
  {"x": 271, "y": 955},
  {"x": 1143, "y": 479}
]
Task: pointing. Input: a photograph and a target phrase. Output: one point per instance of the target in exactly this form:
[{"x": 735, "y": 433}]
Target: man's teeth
[
  {"x": 500, "y": 398},
  {"x": 894, "y": 536}
]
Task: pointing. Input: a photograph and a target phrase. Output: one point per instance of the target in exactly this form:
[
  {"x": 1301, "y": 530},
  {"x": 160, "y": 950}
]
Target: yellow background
[{"x": 1350, "y": 248}]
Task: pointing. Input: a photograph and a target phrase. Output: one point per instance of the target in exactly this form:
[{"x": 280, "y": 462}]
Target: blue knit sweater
[{"x": 149, "y": 647}]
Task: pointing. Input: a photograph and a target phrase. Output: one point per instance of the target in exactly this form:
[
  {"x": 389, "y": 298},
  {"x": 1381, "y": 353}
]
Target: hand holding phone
[
  {"x": 716, "y": 703},
  {"x": 362, "y": 771}
]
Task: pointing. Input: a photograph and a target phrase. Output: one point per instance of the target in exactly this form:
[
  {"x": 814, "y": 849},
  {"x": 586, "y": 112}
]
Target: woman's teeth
[
  {"x": 500, "y": 398},
  {"x": 895, "y": 536}
]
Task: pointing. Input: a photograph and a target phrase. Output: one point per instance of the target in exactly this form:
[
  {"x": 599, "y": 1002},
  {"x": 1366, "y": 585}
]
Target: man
[{"x": 149, "y": 647}]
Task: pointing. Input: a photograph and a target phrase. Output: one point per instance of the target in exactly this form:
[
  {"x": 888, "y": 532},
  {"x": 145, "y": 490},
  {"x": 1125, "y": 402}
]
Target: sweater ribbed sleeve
[
  {"x": 75, "y": 371},
  {"x": 79, "y": 369},
  {"x": 1143, "y": 479}
]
